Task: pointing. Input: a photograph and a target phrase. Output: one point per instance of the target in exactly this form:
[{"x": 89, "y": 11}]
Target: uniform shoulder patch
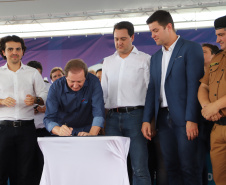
[{"x": 214, "y": 64}]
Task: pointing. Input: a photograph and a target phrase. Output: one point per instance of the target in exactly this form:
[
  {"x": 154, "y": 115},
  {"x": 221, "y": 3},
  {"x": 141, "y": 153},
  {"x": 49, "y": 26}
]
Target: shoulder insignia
[{"x": 214, "y": 64}]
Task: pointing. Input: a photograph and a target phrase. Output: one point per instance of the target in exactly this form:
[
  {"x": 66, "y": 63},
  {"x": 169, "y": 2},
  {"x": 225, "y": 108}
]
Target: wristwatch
[{"x": 38, "y": 100}]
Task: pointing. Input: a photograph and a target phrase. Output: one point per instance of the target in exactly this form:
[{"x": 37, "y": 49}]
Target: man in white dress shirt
[
  {"x": 20, "y": 87},
  {"x": 125, "y": 78}
]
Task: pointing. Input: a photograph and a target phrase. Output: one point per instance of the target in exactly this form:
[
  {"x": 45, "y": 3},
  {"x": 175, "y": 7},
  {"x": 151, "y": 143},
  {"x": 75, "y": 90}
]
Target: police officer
[{"x": 212, "y": 97}]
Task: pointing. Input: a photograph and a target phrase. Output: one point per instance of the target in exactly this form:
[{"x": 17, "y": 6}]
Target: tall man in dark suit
[{"x": 172, "y": 99}]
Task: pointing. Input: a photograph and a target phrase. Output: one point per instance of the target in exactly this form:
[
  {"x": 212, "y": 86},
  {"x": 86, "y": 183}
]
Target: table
[{"x": 97, "y": 160}]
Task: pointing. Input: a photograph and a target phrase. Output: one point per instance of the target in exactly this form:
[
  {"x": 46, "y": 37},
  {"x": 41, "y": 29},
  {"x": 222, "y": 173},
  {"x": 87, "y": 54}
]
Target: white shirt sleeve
[{"x": 39, "y": 86}]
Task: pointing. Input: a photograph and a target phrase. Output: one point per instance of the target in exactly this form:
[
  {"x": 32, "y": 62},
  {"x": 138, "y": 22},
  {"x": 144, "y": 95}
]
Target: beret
[{"x": 220, "y": 23}]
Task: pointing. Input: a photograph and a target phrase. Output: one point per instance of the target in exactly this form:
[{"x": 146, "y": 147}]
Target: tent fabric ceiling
[{"x": 20, "y": 11}]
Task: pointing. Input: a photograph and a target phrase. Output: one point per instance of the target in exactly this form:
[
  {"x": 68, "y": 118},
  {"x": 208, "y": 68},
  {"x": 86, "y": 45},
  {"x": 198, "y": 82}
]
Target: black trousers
[{"x": 17, "y": 150}]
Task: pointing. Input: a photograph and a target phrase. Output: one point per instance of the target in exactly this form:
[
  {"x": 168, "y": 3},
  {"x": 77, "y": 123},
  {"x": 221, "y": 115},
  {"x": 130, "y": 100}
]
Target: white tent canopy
[{"x": 31, "y": 16}]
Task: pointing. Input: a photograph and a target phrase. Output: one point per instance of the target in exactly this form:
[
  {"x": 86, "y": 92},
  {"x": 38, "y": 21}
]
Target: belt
[
  {"x": 126, "y": 109},
  {"x": 221, "y": 121},
  {"x": 17, "y": 123},
  {"x": 164, "y": 108}
]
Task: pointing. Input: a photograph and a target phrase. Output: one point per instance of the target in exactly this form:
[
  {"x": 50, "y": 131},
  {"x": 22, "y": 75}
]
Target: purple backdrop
[
  {"x": 52, "y": 52},
  {"x": 56, "y": 51}
]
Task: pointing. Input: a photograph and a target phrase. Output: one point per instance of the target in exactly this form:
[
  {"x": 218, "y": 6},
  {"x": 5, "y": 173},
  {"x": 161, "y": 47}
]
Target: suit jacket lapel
[
  {"x": 159, "y": 68},
  {"x": 174, "y": 55}
]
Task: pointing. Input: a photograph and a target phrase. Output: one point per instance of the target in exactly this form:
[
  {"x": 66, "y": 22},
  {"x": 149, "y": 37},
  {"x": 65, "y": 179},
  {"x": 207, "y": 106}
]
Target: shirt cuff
[
  {"x": 98, "y": 121},
  {"x": 51, "y": 125},
  {"x": 43, "y": 96}
]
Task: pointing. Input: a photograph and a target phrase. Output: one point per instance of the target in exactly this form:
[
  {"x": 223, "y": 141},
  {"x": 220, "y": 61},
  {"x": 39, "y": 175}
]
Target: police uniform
[{"x": 215, "y": 78}]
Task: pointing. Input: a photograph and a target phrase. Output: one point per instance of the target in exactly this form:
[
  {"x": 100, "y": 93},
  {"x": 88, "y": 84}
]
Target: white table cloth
[{"x": 100, "y": 160}]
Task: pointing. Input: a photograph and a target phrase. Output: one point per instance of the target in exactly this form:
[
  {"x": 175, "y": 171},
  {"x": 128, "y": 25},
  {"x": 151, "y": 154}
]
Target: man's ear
[
  {"x": 132, "y": 38},
  {"x": 169, "y": 26},
  {"x": 3, "y": 52}
]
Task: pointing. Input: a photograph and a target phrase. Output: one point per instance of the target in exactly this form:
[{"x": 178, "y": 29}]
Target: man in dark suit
[{"x": 172, "y": 99}]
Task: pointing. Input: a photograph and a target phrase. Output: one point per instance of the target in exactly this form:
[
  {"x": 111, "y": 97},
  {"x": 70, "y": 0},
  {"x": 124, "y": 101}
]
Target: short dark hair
[
  {"x": 125, "y": 25},
  {"x": 213, "y": 48},
  {"x": 162, "y": 17},
  {"x": 8, "y": 39},
  {"x": 56, "y": 69},
  {"x": 220, "y": 23},
  {"x": 75, "y": 64},
  {"x": 99, "y": 70},
  {"x": 35, "y": 64}
]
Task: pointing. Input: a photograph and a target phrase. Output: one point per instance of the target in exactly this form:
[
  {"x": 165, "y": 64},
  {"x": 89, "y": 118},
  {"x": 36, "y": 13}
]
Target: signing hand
[{"x": 62, "y": 131}]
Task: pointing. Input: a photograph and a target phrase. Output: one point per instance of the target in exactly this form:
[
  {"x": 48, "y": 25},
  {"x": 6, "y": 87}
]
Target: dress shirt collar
[
  {"x": 171, "y": 47},
  {"x": 68, "y": 89},
  {"x": 134, "y": 50},
  {"x": 5, "y": 66},
  {"x": 21, "y": 67}
]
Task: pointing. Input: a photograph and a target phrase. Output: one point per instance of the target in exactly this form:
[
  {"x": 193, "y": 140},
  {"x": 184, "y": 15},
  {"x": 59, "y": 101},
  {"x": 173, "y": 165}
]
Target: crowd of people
[{"x": 172, "y": 105}]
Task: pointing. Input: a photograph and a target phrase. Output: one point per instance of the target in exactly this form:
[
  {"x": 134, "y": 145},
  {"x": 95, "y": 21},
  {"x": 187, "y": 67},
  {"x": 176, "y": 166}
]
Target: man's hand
[
  {"x": 215, "y": 117},
  {"x": 41, "y": 109},
  {"x": 147, "y": 130},
  {"x": 9, "y": 102},
  {"x": 29, "y": 100},
  {"x": 93, "y": 132},
  {"x": 84, "y": 134},
  {"x": 209, "y": 110},
  {"x": 205, "y": 111},
  {"x": 62, "y": 131},
  {"x": 192, "y": 130}
]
